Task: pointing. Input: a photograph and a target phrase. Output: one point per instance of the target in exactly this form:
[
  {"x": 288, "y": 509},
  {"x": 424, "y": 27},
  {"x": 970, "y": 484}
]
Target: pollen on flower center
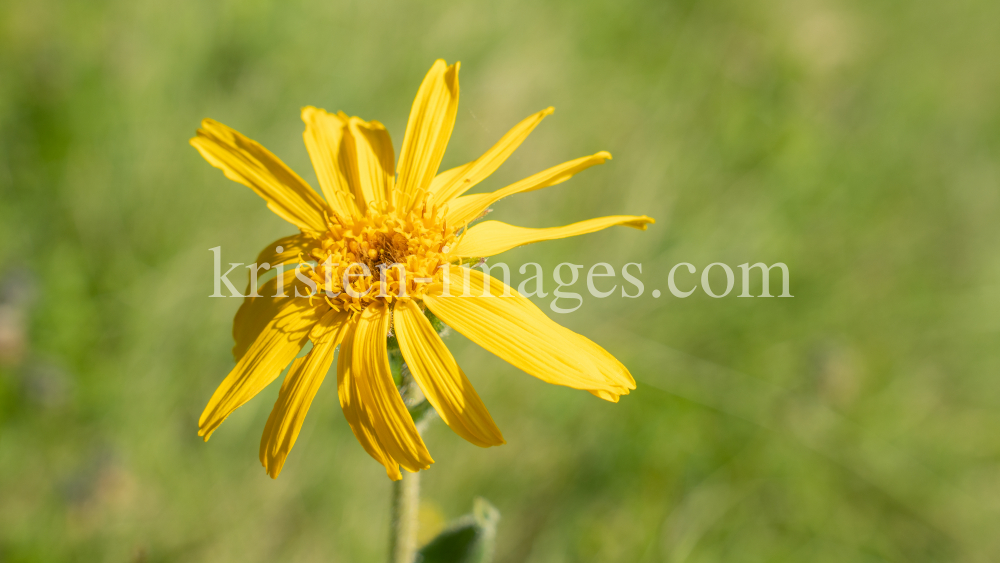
[{"x": 384, "y": 255}]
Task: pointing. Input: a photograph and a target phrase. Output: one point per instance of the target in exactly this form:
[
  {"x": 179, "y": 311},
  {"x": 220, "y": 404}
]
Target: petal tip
[{"x": 641, "y": 223}]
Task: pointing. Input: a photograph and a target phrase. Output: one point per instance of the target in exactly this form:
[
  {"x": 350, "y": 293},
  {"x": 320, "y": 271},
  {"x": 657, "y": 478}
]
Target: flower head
[{"x": 376, "y": 255}]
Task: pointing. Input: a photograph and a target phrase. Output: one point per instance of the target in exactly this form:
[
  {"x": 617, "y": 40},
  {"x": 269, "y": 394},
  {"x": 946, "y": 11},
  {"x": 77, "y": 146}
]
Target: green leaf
[{"x": 470, "y": 539}]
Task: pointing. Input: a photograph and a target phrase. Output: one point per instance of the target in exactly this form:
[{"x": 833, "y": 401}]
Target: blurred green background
[{"x": 855, "y": 141}]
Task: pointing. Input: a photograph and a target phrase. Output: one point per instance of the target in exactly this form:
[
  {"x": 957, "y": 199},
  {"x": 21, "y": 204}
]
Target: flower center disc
[{"x": 380, "y": 256}]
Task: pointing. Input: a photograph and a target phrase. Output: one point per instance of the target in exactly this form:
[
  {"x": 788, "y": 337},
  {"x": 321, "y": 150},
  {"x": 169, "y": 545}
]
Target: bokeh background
[{"x": 855, "y": 141}]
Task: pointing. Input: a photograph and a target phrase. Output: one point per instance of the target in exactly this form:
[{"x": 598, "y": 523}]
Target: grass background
[{"x": 855, "y": 141}]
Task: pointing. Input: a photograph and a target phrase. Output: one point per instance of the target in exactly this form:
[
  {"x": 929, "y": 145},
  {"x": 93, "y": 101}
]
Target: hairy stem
[
  {"x": 406, "y": 491},
  {"x": 405, "y": 501}
]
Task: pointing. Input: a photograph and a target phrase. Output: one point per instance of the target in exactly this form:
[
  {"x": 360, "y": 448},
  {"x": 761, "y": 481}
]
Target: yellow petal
[
  {"x": 393, "y": 424},
  {"x": 358, "y": 414},
  {"x": 324, "y": 136},
  {"x": 613, "y": 371},
  {"x": 464, "y": 209},
  {"x": 275, "y": 347},
  {"x": 245, "y": 161},
  {"x": 455, "y": 182},
  {"x": 454, "y": 175},
  {"x": 442, "y": 381},
  {"x": 615, "y": 374},
  {"x": 297, "y": 392},
  {"x": 514, "y": 329},
  {"x": 493, "y": 237},
  {"x": 428, "y": 129},
  {"x": 370, "y": 161},
  {"x": 291, "y": 247},
  {"x": 255, "y": 313},
  {"x": 606, "y": 395}
]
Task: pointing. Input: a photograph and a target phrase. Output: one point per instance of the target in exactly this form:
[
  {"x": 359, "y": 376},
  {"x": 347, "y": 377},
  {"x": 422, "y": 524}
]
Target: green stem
[
  {"x": 405, "y": 501},
  {"x": 406, "y": 491}
]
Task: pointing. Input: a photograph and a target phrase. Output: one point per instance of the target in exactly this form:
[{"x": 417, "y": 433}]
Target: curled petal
[
  {"x": 370, "y": 162},
  {"x": 358, "y": 414},
  {"x": 323, "y": 136},
  {"x": 393, "y": 424}
]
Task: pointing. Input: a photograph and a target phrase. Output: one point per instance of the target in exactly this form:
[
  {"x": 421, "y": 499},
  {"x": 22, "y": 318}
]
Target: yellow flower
[{"x": 375, "y": 214}]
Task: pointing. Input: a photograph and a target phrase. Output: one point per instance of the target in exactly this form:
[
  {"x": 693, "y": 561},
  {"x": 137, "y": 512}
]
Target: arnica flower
[{"x": 375, "y": 213}]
